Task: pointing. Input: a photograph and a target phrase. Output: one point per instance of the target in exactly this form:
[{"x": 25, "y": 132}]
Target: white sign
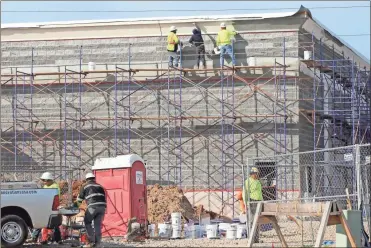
[
  {"x": 139, "y": 177},
  {"x": 348, "y": 157},
  {"x": 368, "y": 159}
]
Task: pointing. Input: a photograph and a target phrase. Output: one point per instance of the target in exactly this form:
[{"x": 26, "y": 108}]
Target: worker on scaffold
[
  {"x": 173, "y": 44},
  {"x": 224, "y": 43},
  {"x": 252, "y": 193},
  {"x": 197, "y": 40}
]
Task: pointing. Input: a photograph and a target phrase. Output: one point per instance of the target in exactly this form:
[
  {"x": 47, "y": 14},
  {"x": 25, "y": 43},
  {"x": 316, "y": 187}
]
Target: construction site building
[{"x": 72, "y": 92}]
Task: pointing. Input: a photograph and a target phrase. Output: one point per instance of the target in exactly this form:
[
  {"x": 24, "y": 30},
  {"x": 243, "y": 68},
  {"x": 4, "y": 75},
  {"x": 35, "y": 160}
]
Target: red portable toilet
[{"x": 124, "y": 179}]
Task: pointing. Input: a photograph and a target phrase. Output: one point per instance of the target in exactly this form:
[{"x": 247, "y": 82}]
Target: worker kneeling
[
  {"x": 252, "y": 193},
  {"x": 95, "y": 197}
]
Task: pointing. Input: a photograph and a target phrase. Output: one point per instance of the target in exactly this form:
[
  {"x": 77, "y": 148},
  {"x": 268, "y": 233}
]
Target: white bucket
[
  {"x": 223, "y": 227},
  {"x": 307, "y": 55},
  {"x": 194, "y": 232},
  {"x": 241, "y": 232},
  {"x": 177, "y": 232},
  {"x": 212, "y": 232},
  {"x": 151, "y": 230},
  {"x": 164, "y": 230},
  {"x": 251, "y": 61},
  {"x": 91, "y": 66},
  {"x": 176, "y": 219},
  {"x": 231, "y": 232}
]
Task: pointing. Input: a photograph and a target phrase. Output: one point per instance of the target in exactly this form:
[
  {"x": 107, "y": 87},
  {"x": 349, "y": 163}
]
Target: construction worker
[
  {"x": 197, "y": 40},
  {"x": 48, "y": 180},
  {"x": 172, "y": 46},
  {"x": 95, "y": 197},
  {"x": 253, "y": 189},
  {"x": 224, "y": 43}
]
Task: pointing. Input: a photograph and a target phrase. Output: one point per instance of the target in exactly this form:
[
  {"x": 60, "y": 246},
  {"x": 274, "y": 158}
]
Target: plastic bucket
[
  {"x": 177, "y": 232},
  {"x": 176, "y": 219},
  {"x": 223, "y": 227},
  {"x": 151, "y": 230},
  {"x": 91, "y": 66},
  {"x": 241, "y": 232},
  {"x": 212, "y": 232},
  {"x": 307, "y": 55},
  {"x": 231, "y": 232},
  {"x": 164, "y": 230}
]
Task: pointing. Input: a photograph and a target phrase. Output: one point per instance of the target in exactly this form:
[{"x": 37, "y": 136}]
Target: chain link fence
[{"x": 339, "y": 174}]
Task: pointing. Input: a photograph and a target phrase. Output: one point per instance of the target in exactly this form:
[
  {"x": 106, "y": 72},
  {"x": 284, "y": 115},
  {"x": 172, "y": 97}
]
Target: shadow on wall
[{"x": 189, "y": 56}]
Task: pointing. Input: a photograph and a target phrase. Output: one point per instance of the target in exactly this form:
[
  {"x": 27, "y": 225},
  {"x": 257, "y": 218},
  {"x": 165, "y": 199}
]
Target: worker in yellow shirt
[
  {"x": 224, "y": 43},
  {"x": 252, "y": 191},
  {"x": 172, "y": 46},
  {"x": 48, "y": 180}
]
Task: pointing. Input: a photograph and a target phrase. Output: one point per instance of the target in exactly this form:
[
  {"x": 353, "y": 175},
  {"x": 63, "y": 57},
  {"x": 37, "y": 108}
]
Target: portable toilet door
[{"x": 124, "y": 179}]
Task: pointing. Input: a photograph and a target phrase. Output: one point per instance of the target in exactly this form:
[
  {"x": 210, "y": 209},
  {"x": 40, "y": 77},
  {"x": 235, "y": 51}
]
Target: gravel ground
[{"x": 293, "y": 235}]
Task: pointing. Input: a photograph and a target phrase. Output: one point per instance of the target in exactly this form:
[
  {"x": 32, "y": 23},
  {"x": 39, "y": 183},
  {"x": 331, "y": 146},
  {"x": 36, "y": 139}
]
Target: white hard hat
[
  {"x": 222, "y": 25},
  {"x": 47, "y": 176},
  {"x": 172, "y": 28},
  {"x": 89, "y": 175},
  {"x": 254, "y": 170}
]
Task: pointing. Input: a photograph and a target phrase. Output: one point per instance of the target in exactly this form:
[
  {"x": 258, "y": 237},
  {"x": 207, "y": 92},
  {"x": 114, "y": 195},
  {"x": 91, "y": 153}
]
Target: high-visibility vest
[
  {"x": 172, "y": 40},
  {"x": 224, "y": 37},
  {"x": 53, "y": 186},
  {"x": 255, "y": 188}
]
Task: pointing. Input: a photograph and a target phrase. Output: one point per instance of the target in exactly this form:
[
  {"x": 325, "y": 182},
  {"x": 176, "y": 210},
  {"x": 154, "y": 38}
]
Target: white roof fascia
[{"x": 142, "y": 21}]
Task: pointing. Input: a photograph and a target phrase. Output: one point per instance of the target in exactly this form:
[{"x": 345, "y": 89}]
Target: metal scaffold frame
[
  {"x": 175, "y": 130},
  {"x": 341, "y": 99}
]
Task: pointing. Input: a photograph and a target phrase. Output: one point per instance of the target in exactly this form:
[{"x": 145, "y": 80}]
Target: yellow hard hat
[{"x": 254, "y": 170}]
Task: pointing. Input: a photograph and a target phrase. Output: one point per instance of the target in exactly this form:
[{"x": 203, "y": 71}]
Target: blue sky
[{"x": 349, "y": 23}]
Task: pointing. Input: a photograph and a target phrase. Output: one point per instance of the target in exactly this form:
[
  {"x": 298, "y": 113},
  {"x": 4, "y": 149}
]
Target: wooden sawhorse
[{"x": 330, "y": 212}]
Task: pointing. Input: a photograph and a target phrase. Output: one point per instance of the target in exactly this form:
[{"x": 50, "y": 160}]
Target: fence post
[{"x": 358, "y": 176}]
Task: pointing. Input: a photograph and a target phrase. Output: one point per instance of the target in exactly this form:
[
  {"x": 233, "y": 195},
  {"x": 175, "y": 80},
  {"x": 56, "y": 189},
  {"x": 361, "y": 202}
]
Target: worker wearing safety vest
[
  {"x": 224, "y": 43},
  {"x": 95, "y": 197},
  {"x": 252, "y": 191},
  {"x": 172, "y": 46},
  {"x": 48, "y": 180}
]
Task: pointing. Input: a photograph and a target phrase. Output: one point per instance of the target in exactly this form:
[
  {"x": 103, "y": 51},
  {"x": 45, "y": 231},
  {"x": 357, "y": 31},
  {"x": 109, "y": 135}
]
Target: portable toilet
[{"x": 124, "y": 179}]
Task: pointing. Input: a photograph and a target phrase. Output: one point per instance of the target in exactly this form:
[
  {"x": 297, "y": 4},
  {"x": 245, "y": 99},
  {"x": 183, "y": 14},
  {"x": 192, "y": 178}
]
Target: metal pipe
[
  {"x": 129, "y": 107},
  {"x": 115, "y": 112}
]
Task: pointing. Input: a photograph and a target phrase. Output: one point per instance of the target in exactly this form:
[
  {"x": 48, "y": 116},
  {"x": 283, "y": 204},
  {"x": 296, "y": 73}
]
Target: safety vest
[
  {"x": 172, "y": 41},
  {"x": 255, "y": 187},
  {"x": 54, "y": 186},
  {"x": 224, "y": 37}
]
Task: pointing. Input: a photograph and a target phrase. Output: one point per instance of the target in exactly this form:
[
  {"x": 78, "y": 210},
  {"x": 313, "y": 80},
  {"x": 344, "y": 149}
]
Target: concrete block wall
[
  {"x": 199, "y": 156},
  {"x": 254, "y": 135},
  {"x": 143, "y": 49}
]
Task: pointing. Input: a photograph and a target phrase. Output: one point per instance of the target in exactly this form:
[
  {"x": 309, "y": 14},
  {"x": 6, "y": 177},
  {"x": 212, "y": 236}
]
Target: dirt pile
[
  {"x": 161, "y": 202},
  {"x": 63, "y": 185},
  {"x": 164, "y": 200}
]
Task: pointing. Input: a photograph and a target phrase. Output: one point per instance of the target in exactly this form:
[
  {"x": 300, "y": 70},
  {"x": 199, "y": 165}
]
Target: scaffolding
[{"x": 62, "y": 120}]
